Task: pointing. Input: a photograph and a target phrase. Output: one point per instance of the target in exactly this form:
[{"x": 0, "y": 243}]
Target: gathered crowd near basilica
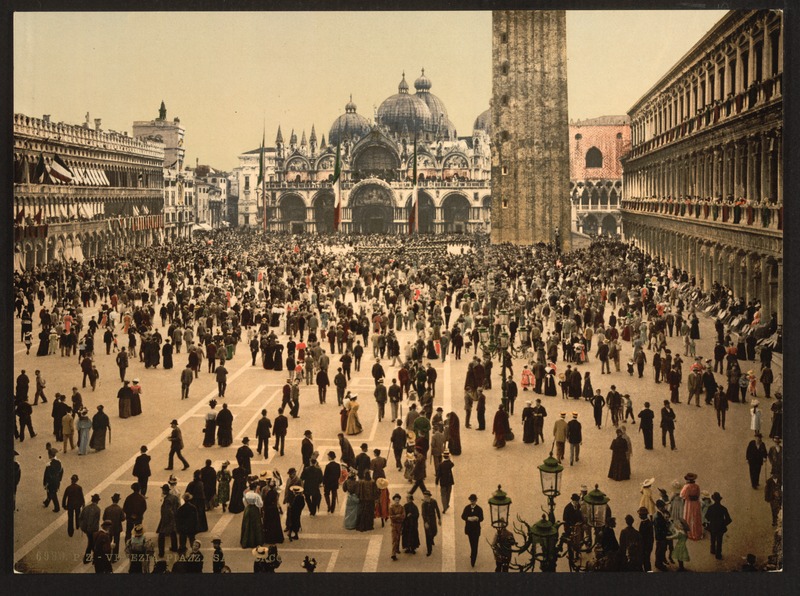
[{"x": 378, "y": 352}]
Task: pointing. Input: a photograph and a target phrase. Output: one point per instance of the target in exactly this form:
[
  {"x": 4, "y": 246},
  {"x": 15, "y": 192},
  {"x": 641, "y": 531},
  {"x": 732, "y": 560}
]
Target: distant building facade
[
  {"x": 377, "y": 166},
  {"x": 80, "y": 191},
  {"x": 597, "y": 146}
]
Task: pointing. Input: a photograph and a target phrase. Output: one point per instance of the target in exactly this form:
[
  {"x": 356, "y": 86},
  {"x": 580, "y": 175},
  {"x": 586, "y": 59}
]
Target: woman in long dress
[
  {"x": 382, "y": 502},
  {"x": 198, "y": 492},
  {"x": 678, "y": 533},
  {"x": 692, "y": 512},
  {"x": 251, "y": 535},
  {"x": 454, "y": 434},
  {"x": 500, "y": 427},
  {"x": 620, "y": 466},
  {"x": 211, "y": 424},
  {"x": 410, "y": 526},
  {"x": 367, "y": 492},
  {"x": 588, "y": 391},
  {"x": 84, "y": 425},
  {"x": 224, "y": 427},
  {"x": 271, "y": 515},
  {"x": 353, "y": 423},
  {"x": 136, "y": 398},
  {"x": 278, "y": 357},
  {"x": 223, "y": 486},
  {"x": 350, "y": 486},
  {"x": 550, "y": 384},
  {"x": 239, "y": 476},
  {"x": 528, "y": 431},
  {"x": 293, "y": 518}
]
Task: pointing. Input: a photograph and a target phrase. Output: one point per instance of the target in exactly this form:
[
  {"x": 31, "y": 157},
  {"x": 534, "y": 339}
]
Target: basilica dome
[
  {"x": 441, "y": 122},
  {"x": 403, "y": 113},
  {"x": 484, "y": 122},
  {"x": 348, "y": 125}
]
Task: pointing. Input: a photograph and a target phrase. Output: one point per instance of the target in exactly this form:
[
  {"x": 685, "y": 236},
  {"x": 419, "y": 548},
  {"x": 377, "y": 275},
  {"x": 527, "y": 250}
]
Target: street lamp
[
  {"x": 550, "y": 477},
  {"x": 598, "y": 506},
  {"x": 499, "y": 505}
]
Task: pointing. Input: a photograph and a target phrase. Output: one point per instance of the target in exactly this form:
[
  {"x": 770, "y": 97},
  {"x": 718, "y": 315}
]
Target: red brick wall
[{"x": 605, "y": 139}]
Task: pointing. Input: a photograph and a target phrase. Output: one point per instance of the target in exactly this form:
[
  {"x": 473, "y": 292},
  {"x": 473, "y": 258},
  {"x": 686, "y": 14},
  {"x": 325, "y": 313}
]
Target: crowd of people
[{"x": 304, "y": 306}]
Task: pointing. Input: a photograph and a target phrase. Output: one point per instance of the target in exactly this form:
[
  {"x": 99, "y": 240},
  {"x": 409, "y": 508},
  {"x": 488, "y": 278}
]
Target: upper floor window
[{"x": 594, "y": 158}]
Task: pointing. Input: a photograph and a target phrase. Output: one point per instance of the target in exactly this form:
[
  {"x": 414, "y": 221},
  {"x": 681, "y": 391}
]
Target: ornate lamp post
[
  {"x": 550, "y": 477},
  {"x": 499, "y": 506}
]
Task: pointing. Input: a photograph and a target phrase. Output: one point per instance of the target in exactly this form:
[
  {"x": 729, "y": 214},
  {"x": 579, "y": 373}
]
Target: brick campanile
[{"x": 530, "y": 124}]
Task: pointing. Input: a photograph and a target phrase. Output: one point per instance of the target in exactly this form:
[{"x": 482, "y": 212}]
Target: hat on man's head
[
  {"x": 563, "y": 414},
  {"x": 574, "y": 414},
  {"x": 138, "y": 529},
  {"x": 642, "y": 511},
  {"x": 187, "y": 496},
  {"x": 246, "y": 440},
  {"x": 115, "y": 497},
  {"x": 691, "y": 477},
  {"x": 106, "y": 523},
  {"x": 172, "y": 479},
  {"x": 473, "y": 497},
  {"x": 174, "y": 422},
  {"x": 95, "y": 498},
  {"x": 716, "y": 497},
  {"x": 165, "y": 487},
  {"x": 575, "y": 497}
]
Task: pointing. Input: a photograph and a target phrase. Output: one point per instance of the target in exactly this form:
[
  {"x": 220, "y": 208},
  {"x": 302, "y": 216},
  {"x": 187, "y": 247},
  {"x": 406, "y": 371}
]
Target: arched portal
[
  {"x": 372, "y": 210},
  {"x": 324, "y": 206},
  {"x": 590, "y": 225},
  {"x": 456, "y": 213},
  {"x": 609, "y": 226},
  {"x": 292, "y": 214},
  {"x": 427, "y": 212}
]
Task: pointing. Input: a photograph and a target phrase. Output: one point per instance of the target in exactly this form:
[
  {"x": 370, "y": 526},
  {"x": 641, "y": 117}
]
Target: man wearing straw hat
[{"x": 397, "y": 515}]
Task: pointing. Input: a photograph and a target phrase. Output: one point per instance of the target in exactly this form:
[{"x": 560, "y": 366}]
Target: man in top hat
[
  {"x": 176, "y": 446},
  {"x": 445, "y": 480},
  {"x": 186, "y": 521},
  {"x": 363, "y": 461},
  {"x": 668, "y": 425},
  {"x": 756, "y": 455},
  {"x": 717, "y": 521},
  {"x": 116, "y": 516},
  {"x": 661, "y": 530},
  {"x": 73, "y": 501},
  {"x": 53, "y": 474},
  {"x": 560, "y": 435},
  {"x": 472, "y": 516},
  {"x": 134, "y": 507},
  {"x": 141, "y": 469},
  {"x": 330, "y": 481}
]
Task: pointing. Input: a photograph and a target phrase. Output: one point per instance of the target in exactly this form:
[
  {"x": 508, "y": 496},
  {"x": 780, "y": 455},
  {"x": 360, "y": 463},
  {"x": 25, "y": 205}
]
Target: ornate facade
[
  {"x": 377, "y": 173},
  {"x": 704, "y": 179},
  {"x": 79, "y": 191}
]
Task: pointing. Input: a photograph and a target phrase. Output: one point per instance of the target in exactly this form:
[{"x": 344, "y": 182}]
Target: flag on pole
[
  {"x": 413, "y": 216},
  {"x": 337, "y": 188},
  {"x": 59, "y": 170},
  {"x": 40, "y": 173}
]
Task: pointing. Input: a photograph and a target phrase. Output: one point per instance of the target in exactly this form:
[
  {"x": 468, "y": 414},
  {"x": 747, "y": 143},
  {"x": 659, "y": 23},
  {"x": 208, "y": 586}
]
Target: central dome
[
  {"x": 348, "y": 125},
  {"x": 440, "y": 120},
  {"x": 404, "y": 113}
]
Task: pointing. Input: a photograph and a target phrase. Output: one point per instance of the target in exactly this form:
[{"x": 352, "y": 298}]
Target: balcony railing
[
  {"x": 756, "y": 96},
  {"x": 89, "y": 192},
  {"x": 768, "y": 217},
  {"x": 348, "y": 184}
]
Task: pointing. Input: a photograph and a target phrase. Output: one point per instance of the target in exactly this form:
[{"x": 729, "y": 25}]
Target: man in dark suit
[
  {"x": 472, "y": 516},
  {"x": 263, "y": 433},
  {"x": 330, "y": 481},
  {"x": 362, "y": 461},
  {"x": 648, "y": 536},
  {"x": 667, "y": 425},
  {"x": 244, "y": 454},
  {"x": 102, "y": 548},
  {"x": 72, "y": 502},
  {"x": 141, "y": 469},
  {"x": 630, "y": 546},
  {"x": 176, "y": 446},
  {"x": 717, "y": 519},
  {"x": 307, "y": 448},
  {"x": 646, "y": 425},
  {"x": 575, "y": 438},
  {"x": 756, "y": 455},
  {"x": 53, "y": 474},
  {"x": 279, "y": 428}
]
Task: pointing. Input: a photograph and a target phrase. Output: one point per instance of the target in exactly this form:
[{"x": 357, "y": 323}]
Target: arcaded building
[
  {"x": 80, "y": 191},
  {"x": 453, "y": 172},
  {"x": 703, "y": 182},
  {"x": 597, "y": 146}
]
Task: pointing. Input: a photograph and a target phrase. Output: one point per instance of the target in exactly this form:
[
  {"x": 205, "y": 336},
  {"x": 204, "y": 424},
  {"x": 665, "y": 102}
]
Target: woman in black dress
[
  {"x": 296, "y": 506},
  {"x": 211, "y": 424},
  {"x": 620, "y": 466},
  {"x": 550, "y": 384},
  {"x": 198, "y": 492},
  {"x": 278, "y": 357},
  {"x": 528, "y": 431},
  {"x": 237, "y": 491},
  {"x": 271, "y": 515},
  {"x": 224, "y": 426},
  {"x": 588, "y": 391},
  {"x": 410, "y": 532}
]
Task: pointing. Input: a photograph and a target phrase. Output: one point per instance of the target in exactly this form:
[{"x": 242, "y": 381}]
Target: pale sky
[{"x": 227, "y": 75}]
